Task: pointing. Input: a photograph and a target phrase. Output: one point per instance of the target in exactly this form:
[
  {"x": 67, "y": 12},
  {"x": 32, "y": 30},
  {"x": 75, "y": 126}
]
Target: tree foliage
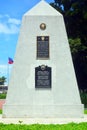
[
  {"x": 2, "y": 80},
  {"x": 75, "y": 16},
  {"x": 79, "y": 55}
]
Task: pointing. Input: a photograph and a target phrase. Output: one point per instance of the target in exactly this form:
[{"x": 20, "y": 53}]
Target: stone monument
[{"x": 43, "y": 82}]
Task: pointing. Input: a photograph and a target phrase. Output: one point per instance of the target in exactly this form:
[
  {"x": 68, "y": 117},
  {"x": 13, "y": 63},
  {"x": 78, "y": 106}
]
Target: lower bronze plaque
[{"x": 43, "y": 77}]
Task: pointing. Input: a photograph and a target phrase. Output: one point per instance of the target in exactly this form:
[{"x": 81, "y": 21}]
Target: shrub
[
  {"x": 3, "y": 96},
  {"x": 84, "y": 98}
]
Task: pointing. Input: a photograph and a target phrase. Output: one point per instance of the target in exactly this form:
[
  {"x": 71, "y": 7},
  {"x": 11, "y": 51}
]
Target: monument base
[{"x": 45, "y": 111}]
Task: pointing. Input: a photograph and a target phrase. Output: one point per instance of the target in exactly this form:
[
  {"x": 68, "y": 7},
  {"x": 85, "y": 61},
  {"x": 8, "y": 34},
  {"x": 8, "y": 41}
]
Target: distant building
[{"x": 3, "y": 88}]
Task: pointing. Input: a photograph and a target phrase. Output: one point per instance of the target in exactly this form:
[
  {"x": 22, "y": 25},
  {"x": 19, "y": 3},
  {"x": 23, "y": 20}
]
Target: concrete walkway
[{"x": 42, "y": 120}]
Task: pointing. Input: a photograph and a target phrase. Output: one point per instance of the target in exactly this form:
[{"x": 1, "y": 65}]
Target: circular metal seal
[
  {"x": 43, "y": 67},
  {"x": 42, "y": 26}
]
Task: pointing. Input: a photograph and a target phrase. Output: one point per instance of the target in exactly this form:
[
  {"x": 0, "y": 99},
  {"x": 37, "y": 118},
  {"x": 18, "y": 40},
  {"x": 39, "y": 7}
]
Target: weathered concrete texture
[
  {"x": 43, "y": 111},
  {"x": 42, "y": 120},
  {"x": 63, "y": 99}
]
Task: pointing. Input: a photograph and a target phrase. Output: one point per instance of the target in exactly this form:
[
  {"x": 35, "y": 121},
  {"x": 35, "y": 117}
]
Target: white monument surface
[{"x": 43, "y": 82}]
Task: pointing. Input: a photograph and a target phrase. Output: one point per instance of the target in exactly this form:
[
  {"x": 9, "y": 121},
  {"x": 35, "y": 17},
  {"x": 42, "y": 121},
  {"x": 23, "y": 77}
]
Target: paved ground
[{"x": 42, "y": 120}]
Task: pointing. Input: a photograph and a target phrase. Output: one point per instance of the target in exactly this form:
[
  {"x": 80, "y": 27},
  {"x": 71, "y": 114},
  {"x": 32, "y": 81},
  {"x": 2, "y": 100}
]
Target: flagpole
[
  {"x": 10, "y": 61},
  {"x": 8, "y": 73}
]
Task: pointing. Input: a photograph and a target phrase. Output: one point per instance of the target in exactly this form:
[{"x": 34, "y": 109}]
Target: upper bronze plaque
[{"x": 43, "y": 47}]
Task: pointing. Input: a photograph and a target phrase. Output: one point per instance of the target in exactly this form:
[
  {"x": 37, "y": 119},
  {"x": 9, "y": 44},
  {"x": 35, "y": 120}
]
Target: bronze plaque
[
  {"x": 43, "y": 47},
  {"x": 43, "y": 77}
]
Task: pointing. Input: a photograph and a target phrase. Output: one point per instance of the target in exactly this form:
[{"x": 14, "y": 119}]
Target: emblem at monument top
[{"x": 43, "y": 70}]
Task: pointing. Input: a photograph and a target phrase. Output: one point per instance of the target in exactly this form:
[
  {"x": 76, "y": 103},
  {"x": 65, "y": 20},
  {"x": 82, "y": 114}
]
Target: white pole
[{"x": 8, "y": 73}]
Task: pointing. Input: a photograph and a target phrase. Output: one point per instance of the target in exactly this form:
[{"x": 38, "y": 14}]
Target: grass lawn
[
  {"x": 85, "y": 111},
  {"x": 70, "y": 126},
  {"x": 0, "y": 111}
]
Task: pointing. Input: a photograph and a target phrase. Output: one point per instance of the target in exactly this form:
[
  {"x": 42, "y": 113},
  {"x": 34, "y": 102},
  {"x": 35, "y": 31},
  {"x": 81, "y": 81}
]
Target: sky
[{"x": 11, "y": 13}]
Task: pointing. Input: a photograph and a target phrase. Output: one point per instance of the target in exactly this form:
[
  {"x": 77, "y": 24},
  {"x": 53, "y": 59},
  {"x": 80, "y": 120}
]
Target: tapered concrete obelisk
[{"x": 43, "y": 82}]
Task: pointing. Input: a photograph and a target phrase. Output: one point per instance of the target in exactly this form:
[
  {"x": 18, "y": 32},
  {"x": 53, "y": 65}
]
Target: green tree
[
  {"x": 2, "y": 80},
  {"x": 76, "y": 46},
  {"x": 79, "y": 55},
  {"x": 75, "y": 16}
]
